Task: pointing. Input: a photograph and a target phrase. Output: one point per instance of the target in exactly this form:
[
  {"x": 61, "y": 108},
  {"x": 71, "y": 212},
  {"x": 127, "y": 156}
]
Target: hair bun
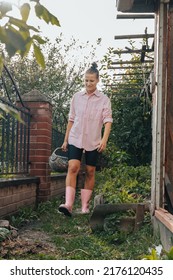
[
  {"x": 94, "y": 65},
  {"x": 93, "y": 70}
]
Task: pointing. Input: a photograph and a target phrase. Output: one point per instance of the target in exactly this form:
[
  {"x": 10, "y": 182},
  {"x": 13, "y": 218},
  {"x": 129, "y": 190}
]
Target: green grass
[
  {"x": 49, "y": 235},
  {"x": 73, "y": 238}
]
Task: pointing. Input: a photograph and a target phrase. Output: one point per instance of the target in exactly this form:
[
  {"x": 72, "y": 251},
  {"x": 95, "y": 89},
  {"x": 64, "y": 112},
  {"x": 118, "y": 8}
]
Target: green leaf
[
  {"x": 25, "y": 10},
  {"x": 38, "y": 39},
  {"x": 39, "y": 10},
  {"x": 15, "y": 39},
  {"x": 21, "y": 24},
  {"x": 9, "y": 110},
  {"x": 43, "y": 13},
  {"x": 28, "y": 44},
  {"x": 39, "y": 56},
  {"x": 54, "y": 20},
  {"x": 18, "y": 22},
  {"x": 25, "y": 34},
  {"x": 170, "y": 254},
  {"x": 5, "y": 8},
  {"x": 11, "y": 50},
  {"x": 32, "y": 28},
  {"x": 3, "y": 35}
]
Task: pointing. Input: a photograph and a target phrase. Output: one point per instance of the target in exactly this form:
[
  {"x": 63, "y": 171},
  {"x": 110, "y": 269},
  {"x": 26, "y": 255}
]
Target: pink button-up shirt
[{"x": 89, "y": 113}]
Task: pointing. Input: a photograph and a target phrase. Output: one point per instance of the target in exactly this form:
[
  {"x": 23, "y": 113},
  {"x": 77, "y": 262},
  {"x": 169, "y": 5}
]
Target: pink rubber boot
[
  {"x": 66, "y": 208},
  {"x": 85, "y": 198}
]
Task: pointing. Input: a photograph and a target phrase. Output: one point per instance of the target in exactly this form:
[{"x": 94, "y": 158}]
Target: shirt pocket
[{"x": 95, "y": 114}]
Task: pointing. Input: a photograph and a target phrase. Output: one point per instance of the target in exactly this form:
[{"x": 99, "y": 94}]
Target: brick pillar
[{"x": 40, "y": 140}]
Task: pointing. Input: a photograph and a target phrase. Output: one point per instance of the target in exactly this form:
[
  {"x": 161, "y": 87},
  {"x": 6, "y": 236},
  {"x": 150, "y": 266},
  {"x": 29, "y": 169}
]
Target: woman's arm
[
  {"x": 103, "y": 142},
  {"x": 64, "y": 145}
]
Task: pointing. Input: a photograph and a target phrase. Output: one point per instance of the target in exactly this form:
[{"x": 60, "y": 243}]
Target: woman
[{"x": 89, "y": 111}]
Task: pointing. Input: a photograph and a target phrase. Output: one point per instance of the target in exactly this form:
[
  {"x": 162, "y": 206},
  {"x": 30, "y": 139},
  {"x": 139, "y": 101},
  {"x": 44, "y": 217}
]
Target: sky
[
  {"x": 88, "y": 20},
  {"x": 92, "y": 19}
]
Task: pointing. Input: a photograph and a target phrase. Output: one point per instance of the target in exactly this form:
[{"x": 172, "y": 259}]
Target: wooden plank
[
  {"x": 169, "y": 188},
  {"x": 169, "y": 99},
  {"x": 131, "y": 74},
  {"x": 140, "y": 211},
  {"x": 132, "y": 62},
  {"x": 130, "y": 67},
  {"x": 165, "y": 218},
  {"x": 134, "y": 36},
  {"x": 136, "y": 16},
  {"x": 132, "y": 51},
  {"x": 125, "y": 86},
  {"x": 102, "y": 210}
]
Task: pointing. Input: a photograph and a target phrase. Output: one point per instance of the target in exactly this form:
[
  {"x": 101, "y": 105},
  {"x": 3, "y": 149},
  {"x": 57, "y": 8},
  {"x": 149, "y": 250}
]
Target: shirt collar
[{"x": 96, "y": 92}]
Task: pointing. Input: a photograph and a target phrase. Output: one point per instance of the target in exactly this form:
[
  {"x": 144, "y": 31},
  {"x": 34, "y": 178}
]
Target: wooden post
[{"x": 140, "y": 211}]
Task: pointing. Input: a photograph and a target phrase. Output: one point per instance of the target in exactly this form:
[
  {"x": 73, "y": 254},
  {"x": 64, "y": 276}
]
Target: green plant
[
  {"x": 24, "y": 216},
  {"x": 123, "y": 183},
  {"x": 4, "y": 233},
  {"x": 114, "y": 156},
  {"x": 164, "y": 255}
]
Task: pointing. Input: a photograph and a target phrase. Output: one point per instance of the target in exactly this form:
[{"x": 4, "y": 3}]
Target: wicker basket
[{"x": 58, "y": 161}]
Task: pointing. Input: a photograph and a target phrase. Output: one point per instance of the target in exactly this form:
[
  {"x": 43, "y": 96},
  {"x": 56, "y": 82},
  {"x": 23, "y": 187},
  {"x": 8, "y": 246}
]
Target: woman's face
[{"x": 91, "y": 82}]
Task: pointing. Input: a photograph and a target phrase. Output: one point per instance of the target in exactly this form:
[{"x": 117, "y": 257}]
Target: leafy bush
[
  {"x": 124, "y": 183},
  {"x": 113, "y": 156}
]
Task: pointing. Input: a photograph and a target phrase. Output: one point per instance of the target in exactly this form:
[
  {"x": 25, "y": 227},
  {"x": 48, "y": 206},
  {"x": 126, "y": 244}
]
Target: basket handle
[{"x": 59, "y": 148}]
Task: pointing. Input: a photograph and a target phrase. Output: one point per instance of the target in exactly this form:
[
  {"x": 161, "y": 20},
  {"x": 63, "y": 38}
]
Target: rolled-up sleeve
[
  {"x": 71, "y": 115},
  {"x": 107, "y": 111}
]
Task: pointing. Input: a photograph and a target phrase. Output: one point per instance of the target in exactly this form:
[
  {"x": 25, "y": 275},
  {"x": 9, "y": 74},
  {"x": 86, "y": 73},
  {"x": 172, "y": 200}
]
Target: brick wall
[
  {"x": 16, "y": 193},
  {"x": 58, "y": 185}
]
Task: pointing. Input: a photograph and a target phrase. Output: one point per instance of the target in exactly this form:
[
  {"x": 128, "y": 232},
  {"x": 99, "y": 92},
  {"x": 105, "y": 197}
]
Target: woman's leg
[
  {"x": 86, "y": 193},
  {"x": 89, "y": 177},
  {"x": 73, "y": 169}
]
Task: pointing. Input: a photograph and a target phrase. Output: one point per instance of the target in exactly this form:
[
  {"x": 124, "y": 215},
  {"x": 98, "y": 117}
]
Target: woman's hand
[
  {"x": 102, "y": 146},
  {"x": 64, "y": 146}
]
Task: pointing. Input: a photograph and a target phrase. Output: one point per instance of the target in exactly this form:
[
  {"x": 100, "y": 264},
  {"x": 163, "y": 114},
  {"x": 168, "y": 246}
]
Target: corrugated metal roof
[{"x": 136, "y": 6}]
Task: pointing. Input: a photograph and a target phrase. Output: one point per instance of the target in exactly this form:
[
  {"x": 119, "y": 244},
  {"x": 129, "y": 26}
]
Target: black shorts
[{"x": 76, "y": 153}]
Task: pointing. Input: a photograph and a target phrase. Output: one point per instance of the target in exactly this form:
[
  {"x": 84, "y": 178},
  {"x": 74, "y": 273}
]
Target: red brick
[
  {"x": 41, "y": 119},
  {"x": 39, "y": 173},
  {"x": 45, "y": 146},
  {"x": 40, "y": 152},
  {"x": 44, "y": 125},
  {"x": 41, "y": 132}
]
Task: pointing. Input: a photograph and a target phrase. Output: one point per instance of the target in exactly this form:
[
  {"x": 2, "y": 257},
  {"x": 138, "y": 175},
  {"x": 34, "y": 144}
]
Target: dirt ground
[{"x": 30, "y": 241}]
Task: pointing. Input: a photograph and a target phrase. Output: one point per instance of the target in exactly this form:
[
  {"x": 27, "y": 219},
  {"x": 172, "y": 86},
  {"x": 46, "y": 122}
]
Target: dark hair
[{"x": 93, "y": 69}]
